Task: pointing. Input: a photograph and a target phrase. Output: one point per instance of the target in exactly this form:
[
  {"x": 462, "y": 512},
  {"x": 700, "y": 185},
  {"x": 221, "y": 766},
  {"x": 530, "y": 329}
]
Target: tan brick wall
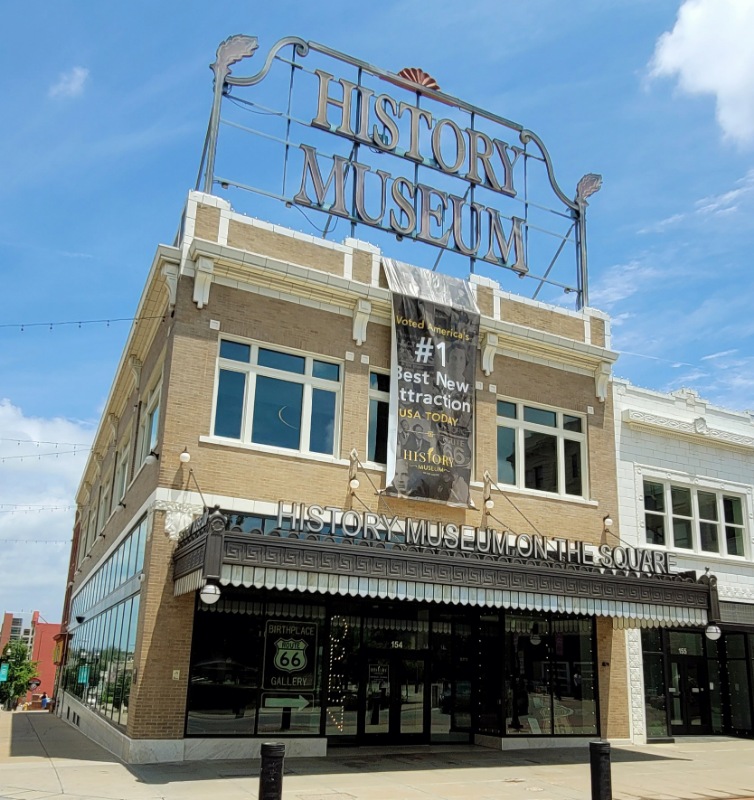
[
  {"x": 207, "y": 223},
  {"x": 285, "y": 248},
  {"x": 362, "y": 267},
  {"x": 598, "y": 331},
  {"x": 485, "y": 300},
  {"x": 157, "y": 707},
  {"x": 237, "y": 472},
  {"x": 613, "y": 680},
  {"x": 541, "y": 319}
]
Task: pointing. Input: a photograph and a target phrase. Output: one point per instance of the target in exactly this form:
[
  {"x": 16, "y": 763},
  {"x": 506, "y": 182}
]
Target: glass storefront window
[{"x": 342, "y": 687}]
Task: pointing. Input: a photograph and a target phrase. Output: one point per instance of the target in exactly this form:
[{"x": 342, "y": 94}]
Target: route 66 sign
[{"x": 290, "y": 655}]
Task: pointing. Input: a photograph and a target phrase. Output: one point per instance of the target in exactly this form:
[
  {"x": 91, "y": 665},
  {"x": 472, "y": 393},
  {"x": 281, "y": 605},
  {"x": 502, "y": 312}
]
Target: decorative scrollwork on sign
[
  {"x": 590, "y": 184},
  {"x": 232, "y": 50},
  {"x": 527, "y": 136},
  {"x": 302, "y": 49}
]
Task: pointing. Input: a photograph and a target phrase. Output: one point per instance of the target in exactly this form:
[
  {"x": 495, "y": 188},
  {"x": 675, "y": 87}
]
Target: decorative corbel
[
  {"x": 601, "y": 379},
  {"x": 136, "y": 366},
  {"x": 205, "y": 267},
  {"x": 360, "y": 319},
  {"x": 170, "y": 272},
  {"x": 112, "y": 420},
  {"x": 489, "y": 350}
]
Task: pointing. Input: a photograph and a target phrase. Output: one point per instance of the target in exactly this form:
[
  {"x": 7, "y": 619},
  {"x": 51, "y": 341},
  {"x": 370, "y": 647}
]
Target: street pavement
[{"x": 44, "y": 758}]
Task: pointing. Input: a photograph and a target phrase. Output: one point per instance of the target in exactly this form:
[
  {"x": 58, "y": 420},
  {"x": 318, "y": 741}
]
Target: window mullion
[
  {"x": 560, "y": 455},
  {"x": 247, "y": 420},
  {"x": 306, "y": 417},
  {"x": 519, "y": 455}
]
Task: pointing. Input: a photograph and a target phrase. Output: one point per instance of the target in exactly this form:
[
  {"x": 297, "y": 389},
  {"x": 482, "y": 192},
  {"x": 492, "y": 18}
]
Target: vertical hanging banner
[{"x": 435, "y": 343}]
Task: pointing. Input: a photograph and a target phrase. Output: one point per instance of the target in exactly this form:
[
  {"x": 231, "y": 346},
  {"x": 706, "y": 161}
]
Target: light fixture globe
[
  {"x": 713, "y": 632},
  {"x": 489, "y": 503},
  {"x": 354, "y": 484},
  {"x": 210, "y": 594},
  {"x": 185, "y": 456}
]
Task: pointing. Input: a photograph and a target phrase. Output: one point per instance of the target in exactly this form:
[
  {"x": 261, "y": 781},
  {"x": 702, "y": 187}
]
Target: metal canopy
[{"x": 282, "y": 562}]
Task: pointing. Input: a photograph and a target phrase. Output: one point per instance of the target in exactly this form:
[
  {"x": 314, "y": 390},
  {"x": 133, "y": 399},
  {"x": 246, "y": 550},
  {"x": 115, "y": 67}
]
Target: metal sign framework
[{"x": 434, "y": 144}]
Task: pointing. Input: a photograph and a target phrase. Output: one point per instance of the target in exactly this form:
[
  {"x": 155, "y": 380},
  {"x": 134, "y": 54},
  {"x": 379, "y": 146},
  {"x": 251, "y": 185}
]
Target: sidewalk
[{"x": 43, "y": 758}]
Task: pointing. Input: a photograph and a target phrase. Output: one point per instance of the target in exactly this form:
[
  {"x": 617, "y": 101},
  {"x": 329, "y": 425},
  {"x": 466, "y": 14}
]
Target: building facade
[
  {"x": 239, "y": 571},
  {"x": 686, "y": 485},
  {"x": 39, "y": 637}
]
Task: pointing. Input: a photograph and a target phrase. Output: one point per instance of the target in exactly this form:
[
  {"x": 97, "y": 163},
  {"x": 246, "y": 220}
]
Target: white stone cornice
[
  {"x": 205, "y": 268},
  {"x": 697, "y": 430},
  {"x": 360, "y": 320}
]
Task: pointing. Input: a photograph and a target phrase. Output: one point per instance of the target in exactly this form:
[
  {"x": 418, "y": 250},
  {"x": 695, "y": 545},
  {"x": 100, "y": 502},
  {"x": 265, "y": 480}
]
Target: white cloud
[
  {"x": 37, "y": 505},
  {"x": 71, "y": 83},
  {"x": 711, "y": 51},
  {"x": 721, "y": 354},
  {"x": 621, "y": 281},
  {"x": 717, "y": 205}
]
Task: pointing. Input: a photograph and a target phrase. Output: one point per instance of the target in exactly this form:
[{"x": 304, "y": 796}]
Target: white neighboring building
[{"x": 686, "y": 485}]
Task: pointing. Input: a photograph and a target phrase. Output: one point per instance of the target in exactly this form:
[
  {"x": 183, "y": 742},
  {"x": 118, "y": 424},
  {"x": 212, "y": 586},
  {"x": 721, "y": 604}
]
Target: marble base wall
[{"x": 153, "y": 751}]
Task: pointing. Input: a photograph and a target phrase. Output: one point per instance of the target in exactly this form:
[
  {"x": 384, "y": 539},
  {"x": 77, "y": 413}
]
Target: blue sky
[{"x": 105, "y": 108}]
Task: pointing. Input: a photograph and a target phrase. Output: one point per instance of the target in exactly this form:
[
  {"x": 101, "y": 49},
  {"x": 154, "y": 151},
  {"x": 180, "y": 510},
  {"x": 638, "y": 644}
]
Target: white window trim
[
  {"x": 694, "y": 484},
  {"x": 560, "y": 433},
  {"x": 251, "y": 370}
]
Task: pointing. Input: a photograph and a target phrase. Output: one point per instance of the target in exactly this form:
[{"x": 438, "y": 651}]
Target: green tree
[{"x": 20, "y": 671}]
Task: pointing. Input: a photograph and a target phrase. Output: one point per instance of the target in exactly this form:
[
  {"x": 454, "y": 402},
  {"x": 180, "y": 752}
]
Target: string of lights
[
  {"x": 37, "y": 510},
  {"x": 35, "y": 541},
  {"x": 36, "y": 456},
  {"x": 38, "y": 442},
  {"x": 79, "y": 322},
  {"x": 32, "y": 506}
]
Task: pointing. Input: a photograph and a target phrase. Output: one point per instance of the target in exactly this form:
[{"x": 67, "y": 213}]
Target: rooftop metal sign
[{"x": 393, "y": 152}]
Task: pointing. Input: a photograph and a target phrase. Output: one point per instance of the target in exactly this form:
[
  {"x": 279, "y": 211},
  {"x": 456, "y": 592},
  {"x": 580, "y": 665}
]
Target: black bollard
[
  {"x": 599, "y": 760},
  {"x": 271, "y": 771}
]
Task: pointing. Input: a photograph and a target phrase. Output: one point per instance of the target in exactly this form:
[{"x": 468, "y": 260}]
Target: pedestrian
[{"x": 45, "y": 701}]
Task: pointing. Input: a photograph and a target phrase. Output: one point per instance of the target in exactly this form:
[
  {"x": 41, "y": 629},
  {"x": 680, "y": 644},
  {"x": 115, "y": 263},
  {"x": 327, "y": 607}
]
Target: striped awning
[
  {"x": 625, "y": 614},
  {"x": 189, "y": 583}
]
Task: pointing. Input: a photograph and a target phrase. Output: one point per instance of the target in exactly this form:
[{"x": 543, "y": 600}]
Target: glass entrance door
[
  {"x": 395, "y": 705},
  {"x": 688, "y": 691}
]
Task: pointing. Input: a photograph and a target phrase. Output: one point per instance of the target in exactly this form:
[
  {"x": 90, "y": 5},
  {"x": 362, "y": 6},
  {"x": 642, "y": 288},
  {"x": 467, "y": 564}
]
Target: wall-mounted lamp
[
  {"x": 607, "y": 521},
  {"x": 489, "y": 503},
  {"x": 121, "y": 504},
  {"x": 210, "y": 594},
  {"x": 185, "y": 456},
  {"x": 80, "y": 618},
  {"x": 353, "y": 468},
  {"x": 152, "y": 457},
  {"x": 713, "y": 632}
]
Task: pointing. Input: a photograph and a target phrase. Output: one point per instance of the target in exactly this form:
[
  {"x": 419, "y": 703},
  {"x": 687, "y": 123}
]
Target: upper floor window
[
  {"x": 690, "y": 518},
  {"x": 149, "y": 425},
  {"x": 277, "y": 398},
  {"x": 540, "y": 448},
  {"x": 379, "y": 415},
  {"x": 121, "y": 475}
]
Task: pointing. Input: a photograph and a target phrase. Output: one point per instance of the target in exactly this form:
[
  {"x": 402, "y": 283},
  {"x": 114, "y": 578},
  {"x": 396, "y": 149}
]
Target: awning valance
[{"x": 627, "y": 614}]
